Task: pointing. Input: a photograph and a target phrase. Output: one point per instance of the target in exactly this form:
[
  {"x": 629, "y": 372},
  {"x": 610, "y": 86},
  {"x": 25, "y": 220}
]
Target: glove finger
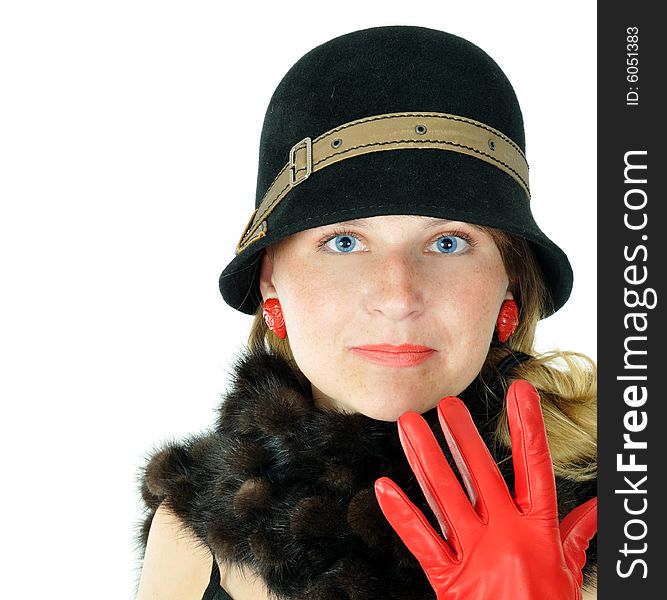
[
  {"x": 576, "y": 531},
  {"x": 438, "y": 482},
  {"x": 484, "y": 483},
  {"x": 534, "y": 485},
  {"x": 434, "y": 555}
]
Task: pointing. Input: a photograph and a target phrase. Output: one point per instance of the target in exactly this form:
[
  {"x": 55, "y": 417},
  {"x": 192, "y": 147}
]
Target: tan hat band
[{"x": 394, "y": 131}]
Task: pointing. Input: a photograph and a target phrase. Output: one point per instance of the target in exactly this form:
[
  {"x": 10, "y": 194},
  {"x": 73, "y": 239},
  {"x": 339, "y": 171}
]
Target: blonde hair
[{"x": 566, "y": 381}]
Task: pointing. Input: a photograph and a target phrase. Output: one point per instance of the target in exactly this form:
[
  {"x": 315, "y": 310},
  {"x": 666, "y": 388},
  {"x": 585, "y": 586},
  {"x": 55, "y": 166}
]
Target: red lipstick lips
[{"x": 405, "y": 355}]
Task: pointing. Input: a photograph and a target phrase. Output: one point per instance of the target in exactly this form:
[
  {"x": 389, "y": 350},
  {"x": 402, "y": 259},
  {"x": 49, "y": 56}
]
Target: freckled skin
[{"x": 394, "y": 288}]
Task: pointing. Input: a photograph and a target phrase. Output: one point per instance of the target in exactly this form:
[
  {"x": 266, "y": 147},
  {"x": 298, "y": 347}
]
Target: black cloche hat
[{"x": 391, "y": 120}]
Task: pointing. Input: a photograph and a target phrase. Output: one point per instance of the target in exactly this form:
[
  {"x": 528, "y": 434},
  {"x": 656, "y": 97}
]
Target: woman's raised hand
[{"x": 496, "y": 546}]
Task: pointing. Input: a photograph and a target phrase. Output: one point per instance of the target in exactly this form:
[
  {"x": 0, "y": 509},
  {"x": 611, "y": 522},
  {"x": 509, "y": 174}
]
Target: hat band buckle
[{"x": 306, "y": 143}]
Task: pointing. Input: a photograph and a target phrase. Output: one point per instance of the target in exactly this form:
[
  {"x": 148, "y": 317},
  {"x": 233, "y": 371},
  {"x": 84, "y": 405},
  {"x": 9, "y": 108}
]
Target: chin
[
  {"x": 382, "y": 410},
  {"x": 383, "y": 400}
]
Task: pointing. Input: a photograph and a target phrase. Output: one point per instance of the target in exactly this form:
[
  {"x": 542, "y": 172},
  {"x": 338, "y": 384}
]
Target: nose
[{"x": 395, "y": 288}]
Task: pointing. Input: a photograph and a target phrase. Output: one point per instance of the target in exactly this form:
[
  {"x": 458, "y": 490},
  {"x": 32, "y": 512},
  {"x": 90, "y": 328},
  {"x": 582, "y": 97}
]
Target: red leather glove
[{"x": 496, "y": 547}]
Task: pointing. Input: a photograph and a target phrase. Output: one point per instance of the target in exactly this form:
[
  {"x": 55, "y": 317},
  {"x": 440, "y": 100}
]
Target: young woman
[{"x": 384, "y": 436}]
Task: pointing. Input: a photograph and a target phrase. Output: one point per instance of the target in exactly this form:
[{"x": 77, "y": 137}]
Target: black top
[{"x": 215, "y": 591}]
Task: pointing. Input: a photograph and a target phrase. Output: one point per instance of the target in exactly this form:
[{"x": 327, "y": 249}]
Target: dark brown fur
[{"x": 286, "y": 488}]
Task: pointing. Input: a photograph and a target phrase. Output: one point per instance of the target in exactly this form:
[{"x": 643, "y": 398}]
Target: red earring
[
  {"x": 508, "y": 319},
  {"x": 273, "y": 315}
]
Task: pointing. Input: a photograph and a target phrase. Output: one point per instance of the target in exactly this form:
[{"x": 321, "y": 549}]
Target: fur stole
[{"x": 286, "y": 488}]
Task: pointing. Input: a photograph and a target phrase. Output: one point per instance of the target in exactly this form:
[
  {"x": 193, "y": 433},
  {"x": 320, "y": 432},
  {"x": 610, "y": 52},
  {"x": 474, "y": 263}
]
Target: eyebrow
[{"x": 364, "y": 223}]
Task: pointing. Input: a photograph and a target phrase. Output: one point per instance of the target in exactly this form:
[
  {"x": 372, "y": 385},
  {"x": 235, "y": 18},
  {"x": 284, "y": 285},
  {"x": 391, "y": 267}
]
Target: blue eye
[
  {"x": 450, "y": 244},
  {"x": 342, "y": 243}
]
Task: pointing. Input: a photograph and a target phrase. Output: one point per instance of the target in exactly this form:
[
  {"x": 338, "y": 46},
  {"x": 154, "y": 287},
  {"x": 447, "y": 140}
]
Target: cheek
[
  {"x": 474, "y": 294},
  {"x": 314, "y": 303},
  {"x": 469, "y": 318}
]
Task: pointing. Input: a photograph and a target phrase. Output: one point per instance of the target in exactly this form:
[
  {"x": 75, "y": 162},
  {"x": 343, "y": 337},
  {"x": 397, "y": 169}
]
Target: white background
[{"x": 128, "y": 150}]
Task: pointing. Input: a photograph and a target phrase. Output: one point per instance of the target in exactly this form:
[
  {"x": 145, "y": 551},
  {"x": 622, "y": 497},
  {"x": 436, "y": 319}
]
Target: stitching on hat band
[{"x": 393, "y": 131}]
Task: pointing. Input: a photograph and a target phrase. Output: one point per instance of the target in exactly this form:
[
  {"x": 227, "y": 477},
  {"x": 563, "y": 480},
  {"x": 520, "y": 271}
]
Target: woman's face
[{"x": 388, "y": 314}]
